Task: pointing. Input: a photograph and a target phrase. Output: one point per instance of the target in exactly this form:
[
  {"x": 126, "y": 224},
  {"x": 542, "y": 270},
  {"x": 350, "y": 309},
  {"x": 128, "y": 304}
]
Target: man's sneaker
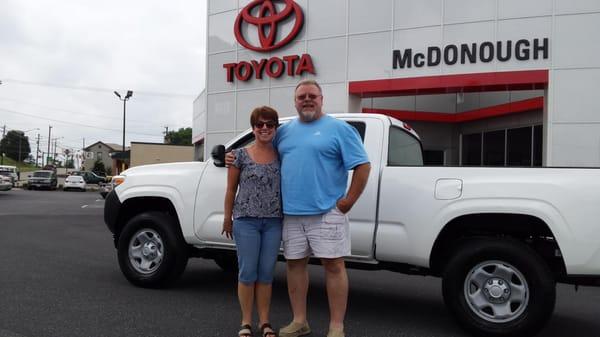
[{"x": 294, "y": 330}]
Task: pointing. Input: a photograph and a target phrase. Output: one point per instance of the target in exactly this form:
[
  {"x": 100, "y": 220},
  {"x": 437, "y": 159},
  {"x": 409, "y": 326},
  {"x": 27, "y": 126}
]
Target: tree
[
  {"x": 99, "y": 167},
  {"x": 10, "y": 145},
  {"x": 183, "y": 136}
]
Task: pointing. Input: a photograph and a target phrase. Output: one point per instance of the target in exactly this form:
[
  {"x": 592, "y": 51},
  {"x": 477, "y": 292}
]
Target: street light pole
[{"x": 125, "y": 99}]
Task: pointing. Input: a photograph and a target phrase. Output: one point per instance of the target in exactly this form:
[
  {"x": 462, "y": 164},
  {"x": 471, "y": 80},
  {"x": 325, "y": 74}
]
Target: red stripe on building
[
  {"x": 536, "y": 103},
  {"x": 495, "y": 81}
]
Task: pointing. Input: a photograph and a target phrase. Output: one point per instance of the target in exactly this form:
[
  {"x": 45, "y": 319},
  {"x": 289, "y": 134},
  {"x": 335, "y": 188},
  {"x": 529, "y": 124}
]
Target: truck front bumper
[{"x": 112, "y": 206}]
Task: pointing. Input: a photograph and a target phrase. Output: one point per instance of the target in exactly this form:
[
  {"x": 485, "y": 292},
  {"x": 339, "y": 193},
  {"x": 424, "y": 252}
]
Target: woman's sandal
[
  {"x": 267, "y": 333},
  {"x": 245, "y": 331}
]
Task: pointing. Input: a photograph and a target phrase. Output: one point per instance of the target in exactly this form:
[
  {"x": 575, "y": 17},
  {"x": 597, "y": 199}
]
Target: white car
[
  {"x": 5, "y": 183},
  {"x": 74, "y": 183},
  {"x": 11, "y": 172}
]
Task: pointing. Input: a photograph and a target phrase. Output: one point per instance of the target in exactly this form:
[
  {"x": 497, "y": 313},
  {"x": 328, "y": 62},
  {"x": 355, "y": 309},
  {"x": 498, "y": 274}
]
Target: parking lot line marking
[
  {"x": 84, "y": 206},
  {"x": 99, "y": 200}
]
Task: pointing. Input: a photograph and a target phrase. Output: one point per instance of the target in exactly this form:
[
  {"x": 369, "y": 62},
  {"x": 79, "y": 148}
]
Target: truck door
[
  {"x": 210, "y": 196},
  {"x": 363, "y": 215}
]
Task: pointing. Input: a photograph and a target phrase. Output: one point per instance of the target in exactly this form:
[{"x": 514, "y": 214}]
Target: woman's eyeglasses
[{"x": 269, "y": 125}]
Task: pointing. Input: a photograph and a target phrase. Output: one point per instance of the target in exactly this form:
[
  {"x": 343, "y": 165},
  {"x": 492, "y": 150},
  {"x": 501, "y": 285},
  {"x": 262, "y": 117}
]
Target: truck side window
[
  {"x": 360, "y": 127},
  {"x": 404, "y": 149},
  {"x": 247, "y": 140}
]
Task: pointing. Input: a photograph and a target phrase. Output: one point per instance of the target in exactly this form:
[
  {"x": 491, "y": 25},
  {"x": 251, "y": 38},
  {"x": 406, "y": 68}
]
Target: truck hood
[
  {"x": 178, "y": 176},
  {"x": 166, "y": 168}
]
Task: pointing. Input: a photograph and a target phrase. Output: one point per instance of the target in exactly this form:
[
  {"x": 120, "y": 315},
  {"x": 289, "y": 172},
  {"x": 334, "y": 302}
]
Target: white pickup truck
[{"x": 500, "y": 238}]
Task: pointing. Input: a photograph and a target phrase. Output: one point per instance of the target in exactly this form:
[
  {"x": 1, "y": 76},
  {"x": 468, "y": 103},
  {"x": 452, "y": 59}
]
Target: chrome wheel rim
[
  {"x": 496, "y": 291},
  {"x": 146, "y": 251}
]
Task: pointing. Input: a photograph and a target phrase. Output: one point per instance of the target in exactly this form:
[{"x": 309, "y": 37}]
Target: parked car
[
  {"x": 499, "y": 238},
  {"x": 49, "y": 167},
  {"x": 74, "y": 183},
  {"x": 90, "y": 177},
  {"x": 42, "y": 179},
  {"x": 5, "y": 183},
  {"x": 10, "y": 171},
  {"x": 106, "y": 188}
]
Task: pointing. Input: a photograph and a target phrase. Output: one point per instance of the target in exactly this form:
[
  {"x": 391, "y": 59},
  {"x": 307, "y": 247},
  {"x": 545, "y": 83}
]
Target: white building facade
[{"x": 483, "y": 82}]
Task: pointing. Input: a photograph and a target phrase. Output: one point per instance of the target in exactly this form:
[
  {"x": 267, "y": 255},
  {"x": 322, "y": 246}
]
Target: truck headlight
[{"x": 117, "y": 180}]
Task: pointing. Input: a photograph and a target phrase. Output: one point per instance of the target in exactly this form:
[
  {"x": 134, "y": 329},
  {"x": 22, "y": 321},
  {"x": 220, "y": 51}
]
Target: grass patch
[{"x": 22, "y": 166}]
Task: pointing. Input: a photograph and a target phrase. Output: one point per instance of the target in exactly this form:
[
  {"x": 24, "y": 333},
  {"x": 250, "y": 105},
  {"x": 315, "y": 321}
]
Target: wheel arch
[
  {"x": 137, "y": 205},
  {"x": 525, "y": 228}
]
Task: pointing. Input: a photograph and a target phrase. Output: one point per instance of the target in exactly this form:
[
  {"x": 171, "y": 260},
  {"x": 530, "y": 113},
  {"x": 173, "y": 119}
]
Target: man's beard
[{"x": 307, "y": 115}]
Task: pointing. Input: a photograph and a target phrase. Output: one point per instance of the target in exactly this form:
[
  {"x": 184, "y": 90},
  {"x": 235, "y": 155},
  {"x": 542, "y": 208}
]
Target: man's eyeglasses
[
  {"x": 269, "y": 125},
  {"x": 312, "y": 97}
]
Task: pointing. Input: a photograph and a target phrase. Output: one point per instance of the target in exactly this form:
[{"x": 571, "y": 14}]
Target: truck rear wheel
[
  {"x": 499, "y": 287},
  {"x": 151, "y": 251}
]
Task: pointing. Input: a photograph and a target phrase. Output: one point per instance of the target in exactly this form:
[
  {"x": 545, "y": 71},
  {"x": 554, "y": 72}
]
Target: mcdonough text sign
[{"x": 485, "y": 52}]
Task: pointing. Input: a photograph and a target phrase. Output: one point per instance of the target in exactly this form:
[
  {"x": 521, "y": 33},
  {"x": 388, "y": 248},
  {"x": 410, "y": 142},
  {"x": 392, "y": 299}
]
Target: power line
[
  {"x": 96, "y": 89},
  {"x": 76, "y": 124},
  {"x": 75, "y": 112}
]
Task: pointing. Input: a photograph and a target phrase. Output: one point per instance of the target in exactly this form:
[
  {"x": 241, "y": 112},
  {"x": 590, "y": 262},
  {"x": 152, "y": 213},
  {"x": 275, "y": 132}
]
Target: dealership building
[{"x": 483, "y": 82}]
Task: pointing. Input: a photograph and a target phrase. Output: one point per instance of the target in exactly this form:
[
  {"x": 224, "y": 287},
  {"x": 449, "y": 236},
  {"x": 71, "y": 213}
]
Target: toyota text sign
[{"x": 267, "y": 18}]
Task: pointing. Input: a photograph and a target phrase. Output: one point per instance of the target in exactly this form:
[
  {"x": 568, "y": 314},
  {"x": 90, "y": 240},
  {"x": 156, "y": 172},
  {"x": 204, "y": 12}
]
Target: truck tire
[
  {"x": 151, "y": 251},
  {"x": 498, "y": 287}
]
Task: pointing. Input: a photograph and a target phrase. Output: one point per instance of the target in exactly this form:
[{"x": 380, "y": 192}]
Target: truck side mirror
[{"x": 218, "y": 155}]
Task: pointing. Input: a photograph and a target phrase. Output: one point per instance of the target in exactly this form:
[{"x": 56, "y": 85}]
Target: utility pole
[
  {"x": 54, "y": 158},
  {"x": 19, "y": 154},
  {"x": 37, "y": 151},
  {"x": 49, "y": 141},
  {"x": 1, "y": 150}
]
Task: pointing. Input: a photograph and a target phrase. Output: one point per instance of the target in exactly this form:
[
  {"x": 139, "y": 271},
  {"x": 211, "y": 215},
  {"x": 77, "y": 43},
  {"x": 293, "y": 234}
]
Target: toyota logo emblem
[{"x": 267, "y": 21}]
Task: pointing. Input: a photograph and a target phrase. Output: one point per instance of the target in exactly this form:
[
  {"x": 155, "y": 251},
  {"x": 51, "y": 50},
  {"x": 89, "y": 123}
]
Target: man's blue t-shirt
[{"x": 315, "y": 160}]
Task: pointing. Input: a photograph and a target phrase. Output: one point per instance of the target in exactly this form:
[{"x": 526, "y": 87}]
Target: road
[{"x": 59, "y": 277}]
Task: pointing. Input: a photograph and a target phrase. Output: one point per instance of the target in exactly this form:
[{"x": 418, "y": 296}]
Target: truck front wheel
[
  {"x": 498, "y": 287},
  {"x": 151, "y": 251}
]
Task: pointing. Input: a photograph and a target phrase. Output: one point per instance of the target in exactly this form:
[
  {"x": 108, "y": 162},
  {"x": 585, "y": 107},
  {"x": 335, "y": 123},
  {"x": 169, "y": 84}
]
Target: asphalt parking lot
[{"x": 59, "y": 277}]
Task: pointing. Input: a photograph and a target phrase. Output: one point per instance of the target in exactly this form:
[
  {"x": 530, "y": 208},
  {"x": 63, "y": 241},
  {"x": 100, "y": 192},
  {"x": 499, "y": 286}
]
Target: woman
[{"x": 256, "y": 213}]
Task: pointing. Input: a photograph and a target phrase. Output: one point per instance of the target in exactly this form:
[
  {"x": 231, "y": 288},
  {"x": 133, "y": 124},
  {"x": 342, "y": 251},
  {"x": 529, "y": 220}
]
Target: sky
[{"x": 61, "y": 60}]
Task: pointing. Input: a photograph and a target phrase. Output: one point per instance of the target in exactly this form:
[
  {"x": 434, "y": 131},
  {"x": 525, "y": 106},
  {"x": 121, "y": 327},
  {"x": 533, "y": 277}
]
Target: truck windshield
[{"x": 42, "y": 174}]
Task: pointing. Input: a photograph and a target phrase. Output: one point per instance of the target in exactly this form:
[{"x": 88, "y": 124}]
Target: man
[{"x": 316, "y": 153}]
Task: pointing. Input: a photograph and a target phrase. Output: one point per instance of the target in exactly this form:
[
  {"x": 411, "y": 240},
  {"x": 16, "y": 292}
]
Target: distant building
[
  {"x": 106, "y": 153},
  {"x": 156, "y": 153}
]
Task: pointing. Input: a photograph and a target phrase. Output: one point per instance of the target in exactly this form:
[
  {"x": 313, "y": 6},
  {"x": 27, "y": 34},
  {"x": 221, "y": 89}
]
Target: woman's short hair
[{"x": 264, "y": 112}]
